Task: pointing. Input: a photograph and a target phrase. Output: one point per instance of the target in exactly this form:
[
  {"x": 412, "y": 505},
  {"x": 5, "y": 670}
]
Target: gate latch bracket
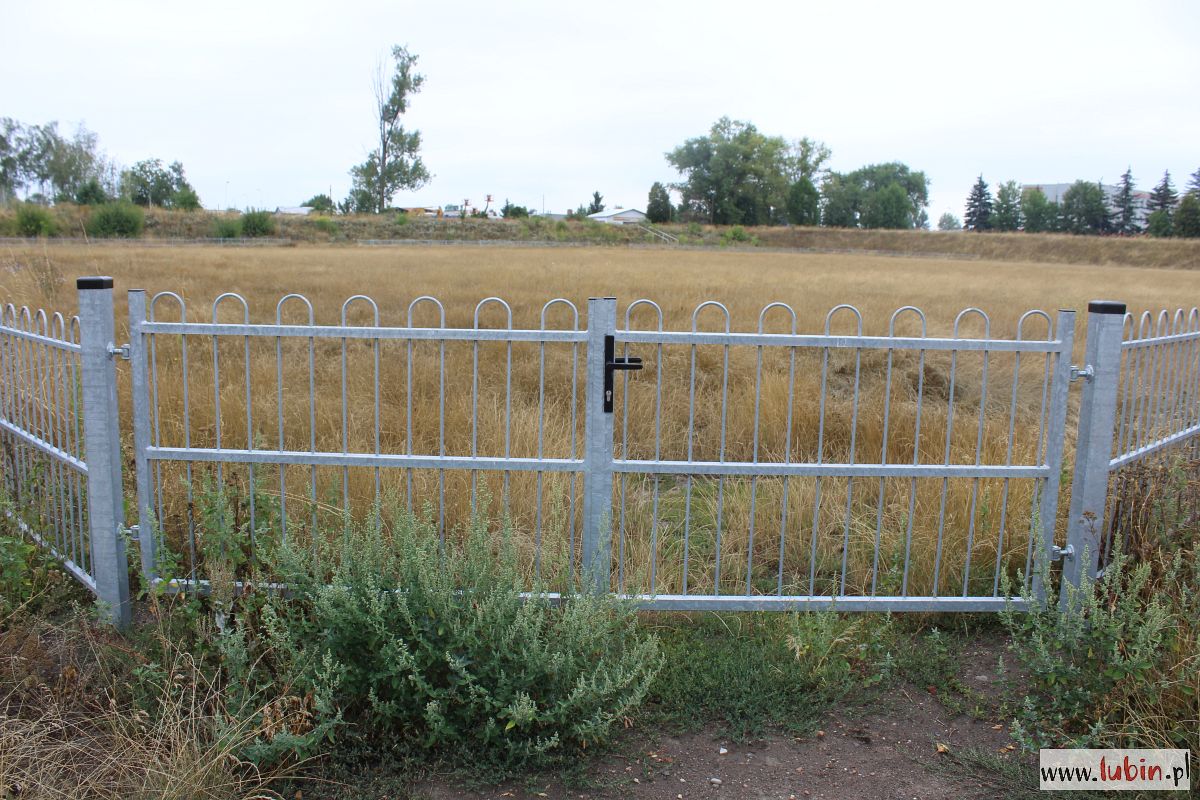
[
  {"x": 1086, "y": 372},
  {"x": 121, "y": 352},
  {"x": 614, "y": 362},
  {"x": 1059, "y": 553}
]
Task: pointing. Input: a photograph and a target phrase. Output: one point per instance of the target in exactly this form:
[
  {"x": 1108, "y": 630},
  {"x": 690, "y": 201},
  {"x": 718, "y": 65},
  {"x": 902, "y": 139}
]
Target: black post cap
[
  {"x": 94, "y": 282},
  {"x": 1106, "y": 307}
]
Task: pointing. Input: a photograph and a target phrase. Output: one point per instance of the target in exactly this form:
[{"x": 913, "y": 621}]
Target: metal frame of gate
[{"x": 36, "y": 415}]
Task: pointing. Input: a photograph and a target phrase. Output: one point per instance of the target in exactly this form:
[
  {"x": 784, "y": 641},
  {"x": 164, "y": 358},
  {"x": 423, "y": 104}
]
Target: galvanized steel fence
[{"x": 767, "y": 468}]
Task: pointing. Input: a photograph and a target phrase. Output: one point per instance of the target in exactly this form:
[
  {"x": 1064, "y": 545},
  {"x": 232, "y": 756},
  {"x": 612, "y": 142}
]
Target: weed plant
[
  {"x": 1122, "y": 670},
  {"x": 117, "y": 220}
]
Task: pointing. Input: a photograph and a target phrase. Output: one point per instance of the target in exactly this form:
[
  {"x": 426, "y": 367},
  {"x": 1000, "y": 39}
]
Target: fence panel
[
  {"x": 770, "y": 469},
  {"x": 1157, "y": 425},
  {"x": 60, "y": 465},
  {"x": 293, "y": 427},
  {"x": 42, "y": 467}
]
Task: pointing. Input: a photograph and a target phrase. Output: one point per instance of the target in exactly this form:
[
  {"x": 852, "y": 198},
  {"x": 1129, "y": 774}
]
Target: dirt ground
[{"x": 901, "y": 747}]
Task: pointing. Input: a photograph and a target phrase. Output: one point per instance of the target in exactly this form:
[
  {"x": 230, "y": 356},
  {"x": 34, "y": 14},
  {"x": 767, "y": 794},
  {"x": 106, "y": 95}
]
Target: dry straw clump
[{"x": 65, "y": 734}]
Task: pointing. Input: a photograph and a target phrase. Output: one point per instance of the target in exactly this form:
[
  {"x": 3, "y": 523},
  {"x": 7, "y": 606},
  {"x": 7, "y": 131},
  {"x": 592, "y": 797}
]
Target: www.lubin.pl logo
[{"x": 1115, "y": 770}]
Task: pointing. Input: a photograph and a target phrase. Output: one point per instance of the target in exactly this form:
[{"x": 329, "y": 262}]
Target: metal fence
[
  {"x": 703, "y": 463},
  {"x": 60, "y": 466}
]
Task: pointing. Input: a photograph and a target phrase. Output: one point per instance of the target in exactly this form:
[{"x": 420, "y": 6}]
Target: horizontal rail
[
  {"x": 690, "y": 602},
  {"x": 1135, "y": 344},
  {"x": 43, "y": 446},
  {"x": 327, "y": 459},
  {"x": 764, "y": 470},
  {"x": 364, "y": 332},
  {"x": 78, "y": 572},
  {"x": 50, "y": 341},
  {"x": 815, "y": 340},
  {"x": 1159, "y": 444}
]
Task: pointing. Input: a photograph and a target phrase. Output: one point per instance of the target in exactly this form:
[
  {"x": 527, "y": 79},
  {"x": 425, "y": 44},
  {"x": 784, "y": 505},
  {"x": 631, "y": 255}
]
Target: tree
[
  {"x": 847, "y": 197},
  {"x": 1163, "y": 196},
  {"x": 509, "y": 211},
  {"x": 39, "y": 156},
  {"x": 949, "y": 222},
  {"x": 1040, "y": 215},
  {"x": 1158, "y": 224},
  {"x": 10, "y": 159},
  {"x": 597, "y": 204},
  {"x": 1124, "y": 213},
  {"x": 979, "y": 207},
  {"x": 737, "y": 176},
  {"x": 321, "y": 203},
  {"x": 394, "y": 164},
  {"x": 658, "y": 205},
  {"x": 1084, "y": 209},
  {"x": 149, "y": 183},
  {"x": 91, "y": 194},
  {"x": 803, "y": 203},
  {"x": 888, "y": 207},
  {"x": 1006, "y": 212},
  {"x": 1187, "y": 216},
  {"x": 1193, "y": 186}
]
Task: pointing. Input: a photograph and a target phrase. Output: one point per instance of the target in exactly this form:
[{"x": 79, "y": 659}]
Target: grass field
[{"x": 819, "y": 535}]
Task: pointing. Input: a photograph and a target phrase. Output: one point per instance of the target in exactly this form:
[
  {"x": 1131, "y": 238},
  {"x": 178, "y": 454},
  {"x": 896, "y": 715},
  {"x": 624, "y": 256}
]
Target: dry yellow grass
[{"x": 817, "y": 537}]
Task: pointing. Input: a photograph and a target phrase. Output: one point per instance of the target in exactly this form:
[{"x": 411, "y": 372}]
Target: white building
[{"x": 619, "y": 216}]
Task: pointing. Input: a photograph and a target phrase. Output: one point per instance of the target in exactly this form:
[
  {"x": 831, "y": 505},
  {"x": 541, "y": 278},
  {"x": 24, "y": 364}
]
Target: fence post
[
  {"x": 598, "y": 451},
  {"x": 102, "y": 443},
  {"x": 1093, "y": 445},
  {"x": 139, "y": 391}
]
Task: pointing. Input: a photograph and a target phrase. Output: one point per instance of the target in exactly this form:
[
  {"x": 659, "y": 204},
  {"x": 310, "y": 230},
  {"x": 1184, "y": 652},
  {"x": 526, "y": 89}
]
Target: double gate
[{"x": 685, "y": 466}]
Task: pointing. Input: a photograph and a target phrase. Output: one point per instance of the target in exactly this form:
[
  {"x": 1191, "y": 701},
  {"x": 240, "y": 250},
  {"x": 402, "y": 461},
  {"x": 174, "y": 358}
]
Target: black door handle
[{"x": 614, "y": 362}]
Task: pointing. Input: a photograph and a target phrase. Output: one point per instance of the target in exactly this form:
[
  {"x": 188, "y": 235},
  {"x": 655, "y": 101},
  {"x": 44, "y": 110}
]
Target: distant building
[
  {"x": 299, "y": 211},
  {"x": 1055, "y": 191},
  {"x": 619, "y": 216}
]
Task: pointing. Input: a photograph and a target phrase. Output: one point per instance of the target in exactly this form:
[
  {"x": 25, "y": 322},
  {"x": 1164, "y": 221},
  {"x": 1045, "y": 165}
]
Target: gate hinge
[
  {"x": 122, "y": 352},
  {"x": 1086, "y": 372},
  {"x": 1059, "y": 553}
]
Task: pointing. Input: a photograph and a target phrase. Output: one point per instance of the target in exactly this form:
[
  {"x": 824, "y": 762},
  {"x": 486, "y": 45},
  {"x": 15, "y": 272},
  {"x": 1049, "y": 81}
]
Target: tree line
[
  {"x": 42, "y": 165},
  {"x": 1084, "y": 208},
  {"x": 736, "y": 175}
]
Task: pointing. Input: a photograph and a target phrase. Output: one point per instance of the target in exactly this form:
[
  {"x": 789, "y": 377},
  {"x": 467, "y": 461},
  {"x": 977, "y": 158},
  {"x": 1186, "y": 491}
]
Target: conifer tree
[
  {"x": 1124, "y": 218},
  {"x": 979, "y": 207},
  {"x": 1163, "y": 197},
  {"x": 1193, "y": 186}
]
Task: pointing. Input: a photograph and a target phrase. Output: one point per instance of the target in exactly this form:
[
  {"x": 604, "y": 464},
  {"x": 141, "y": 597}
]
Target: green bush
[
  {"x": 257, "y": 223},
  {"x": 34, "y": 220},
  {"x": 1087, "y": 671},
  {"x": 327, "y": 226},
  {"x": 91, "y": 194},
  {"x": 121, "y": 220},
  {"x": 436, "y": 653},
  {"x": 735, "y": 234},
  {"x": 227, "y": 228},
  {"x": 401, "y": 219},
  {"x": 186, "y": 199}
]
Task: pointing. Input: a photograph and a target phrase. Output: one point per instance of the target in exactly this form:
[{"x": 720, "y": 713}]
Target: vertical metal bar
[
  {"x": 139, "y": 387},
  {"x": 598, "y": 451},
  {"x": 983, "y": 384},
  {"x": 853, "y": 447},
  {"x": 1056, "y": 427},
  {"x": 1093, "y": 449},
  {"x": 103, "y": 442}
]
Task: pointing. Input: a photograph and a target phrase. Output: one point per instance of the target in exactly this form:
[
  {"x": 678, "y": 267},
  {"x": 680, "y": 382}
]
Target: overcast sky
[{"x": 268, "y": 103}]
